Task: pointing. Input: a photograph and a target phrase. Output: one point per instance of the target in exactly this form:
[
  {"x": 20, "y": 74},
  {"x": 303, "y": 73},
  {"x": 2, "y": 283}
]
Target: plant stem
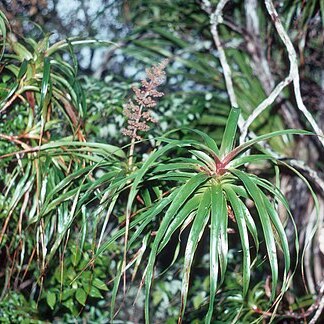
[
  {"x": 131, "y": 152},
  {"x": 293, "y": 76},
  {"x": 215, "y": 19},
  {"x": 132, "y": 146}
]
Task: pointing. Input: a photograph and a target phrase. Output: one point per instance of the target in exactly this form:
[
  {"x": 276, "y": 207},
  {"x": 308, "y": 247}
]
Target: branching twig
[
  {"x": 293, "y": 76},
  {"x": 293, "y": 66},
  {"x": 215, "y": 19},
  {"x": 260, "y": 64},
  {"x": 263, "y": 105},
  {"x": 11, "y": 100}
]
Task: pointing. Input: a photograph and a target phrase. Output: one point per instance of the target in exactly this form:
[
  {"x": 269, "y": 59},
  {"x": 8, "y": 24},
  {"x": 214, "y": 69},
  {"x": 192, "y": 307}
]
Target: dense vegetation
[{"x": 163, "y": 165}]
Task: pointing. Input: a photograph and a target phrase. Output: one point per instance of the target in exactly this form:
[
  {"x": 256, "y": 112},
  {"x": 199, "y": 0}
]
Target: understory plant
[
  {"x": 207, "y": 186},
  {"x": 183, "y": 186},
  {"x": 193, "y": 183},
  {"x": 44, "y": 153}
]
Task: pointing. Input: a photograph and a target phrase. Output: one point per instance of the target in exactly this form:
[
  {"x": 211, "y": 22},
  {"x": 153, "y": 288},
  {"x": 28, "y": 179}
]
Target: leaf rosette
[{"x": 213, "y": 185}]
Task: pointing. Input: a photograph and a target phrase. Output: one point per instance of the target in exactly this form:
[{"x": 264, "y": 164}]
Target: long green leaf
[
  {"x": 230, "y": 131},
  {"x": 240, "y": 220},
  {"x": 178, "y": 202},
  {"x": 256, "y": 195},
  {"x": 208, "y": 140},
  {"x": 223, "y": 238},
  {"x": 150, "y": 214},
  {"x": 186, "y": 210},
  {"x": 217, "y": 213},
  {"x": 239, "y": 149},
  {"x": 106, "y": 148},
  {"x": 280, "y": 230},
  {"x": 77, "y": 41},
  {"x": 46, "y": 86},
  {"x": 240, "y": 191},
  {"x": 3, "y": 30},
  {"x": 250, "y": 159},
  {"x": 195, "y": 235}
]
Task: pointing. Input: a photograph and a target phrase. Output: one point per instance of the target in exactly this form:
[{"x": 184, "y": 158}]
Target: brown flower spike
[{"x": 138, "y": 113}]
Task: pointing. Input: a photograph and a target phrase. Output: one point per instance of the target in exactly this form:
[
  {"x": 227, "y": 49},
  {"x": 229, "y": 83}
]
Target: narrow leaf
[
  {"x": 230, "y": 132},
  {"x": 216, "y": 214},
  {"x": 256, "y": 195},
  {"x": 179, "y": 200},
  {"x": 240, "y": 220},
  {"x": 195, "y": 235}
]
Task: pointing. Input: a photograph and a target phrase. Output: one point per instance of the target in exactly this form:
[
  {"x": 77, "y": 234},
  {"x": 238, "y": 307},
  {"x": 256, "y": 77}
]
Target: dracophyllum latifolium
[{"x": 212, "y": 184}]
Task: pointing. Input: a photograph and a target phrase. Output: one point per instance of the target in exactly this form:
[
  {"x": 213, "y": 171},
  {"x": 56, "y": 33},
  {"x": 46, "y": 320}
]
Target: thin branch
[
  {"x": 215, "y": 19},
  {"x": 11, "y": 100},
  {"x": 15, "y": 140},
  {"x": 293, "y": 76},
  {"x": 263, "y": 105},
  {"x": 294, "y": 67},
  {"x": 260, "y": 64},
  {"x": 308, "y": 253},
  {"x": 206, "y": 6}
]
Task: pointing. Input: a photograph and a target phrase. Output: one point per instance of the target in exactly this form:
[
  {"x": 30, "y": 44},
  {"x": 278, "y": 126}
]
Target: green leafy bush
[{"x": 81, "y": 219}]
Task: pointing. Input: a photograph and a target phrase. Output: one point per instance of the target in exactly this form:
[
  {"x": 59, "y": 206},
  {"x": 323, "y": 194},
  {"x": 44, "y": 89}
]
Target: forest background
[{"x": 84, "y": 198}]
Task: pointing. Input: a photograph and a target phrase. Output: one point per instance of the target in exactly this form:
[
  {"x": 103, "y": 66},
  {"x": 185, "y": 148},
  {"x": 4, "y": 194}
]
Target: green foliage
[
  {"x": 14, "y": 308},
  {"x": 83, "y": 212},
  {"x": 186, "y": 41},
  {"x": 44, "y": 156},
  {"x": 64, "y": 291},
  {"x": 105, "y": 101},
  {"x": 300, "y": 13},
  {"x": 211, "y": 188}
]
